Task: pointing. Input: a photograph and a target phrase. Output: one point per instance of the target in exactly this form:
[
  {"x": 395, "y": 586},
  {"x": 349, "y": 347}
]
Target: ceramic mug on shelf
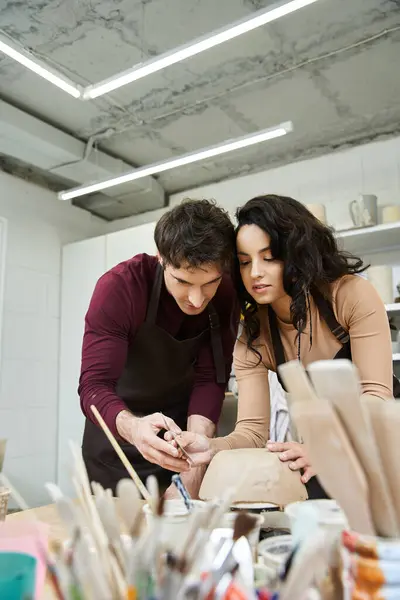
[
  {"x": 391, "y": 214},
  {"x": 381, "y": 277},
  {"x": 364, "y": 210},
  {"x": 318, "y": 210}
]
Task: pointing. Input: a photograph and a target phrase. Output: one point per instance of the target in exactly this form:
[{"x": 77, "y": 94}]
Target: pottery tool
[
  {"x": 297, "y": 382},
  {"x": 140, "y": 485},
  {"x": 3, "y": 444},
  {"x": 109, "y": 518},
  {"x": 299, "y": 389},
  {"x": 130, "y": 504},
  {"x": 75, "y": 522},
  {"x": 310, "y": 564},
  {"x": 153, "y": 489},
  {"x": 174, "y": 437},
  {"x": 223, "y": 561},
  {"x": 81, "y": 484},
  {"x": 177, "y": 481},
  {"x": 337, "y": 381},
  {"x": 334, "y": 461},
  {"x": 385, "y": 422}
]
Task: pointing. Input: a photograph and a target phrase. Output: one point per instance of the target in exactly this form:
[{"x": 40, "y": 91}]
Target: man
[{"x": 157, "y": 348}]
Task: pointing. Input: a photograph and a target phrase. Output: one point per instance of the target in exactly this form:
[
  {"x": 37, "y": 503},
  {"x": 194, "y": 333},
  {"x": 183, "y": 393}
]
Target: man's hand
[
  {"x": 296, "y": 454},
  {"x": 200, "y": 426},
  {"x": 142, "y": 433},
  {"x": 196, "y": 445}
]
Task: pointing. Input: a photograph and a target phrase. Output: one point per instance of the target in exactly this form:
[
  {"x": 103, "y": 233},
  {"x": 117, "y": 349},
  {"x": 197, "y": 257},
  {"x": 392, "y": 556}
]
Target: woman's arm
[
  {"x": 253, "y": 416},
  {"x": 252, "y": 425},
  {"x": 362, "y": 313}
]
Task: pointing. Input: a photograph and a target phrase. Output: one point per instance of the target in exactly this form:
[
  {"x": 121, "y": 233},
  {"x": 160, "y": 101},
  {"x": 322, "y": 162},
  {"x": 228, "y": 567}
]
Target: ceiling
[{"x": 331, "y": 68}]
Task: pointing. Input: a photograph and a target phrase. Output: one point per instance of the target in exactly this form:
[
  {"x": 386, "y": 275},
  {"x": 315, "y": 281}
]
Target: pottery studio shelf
[
  {"x": 368, "y": 240},
  {"x": 393, "y": 308}
]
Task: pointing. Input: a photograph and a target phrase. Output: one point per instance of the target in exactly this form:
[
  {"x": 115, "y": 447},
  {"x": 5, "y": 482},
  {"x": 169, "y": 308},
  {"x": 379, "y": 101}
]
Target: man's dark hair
[{"x": 195, "y": 233}]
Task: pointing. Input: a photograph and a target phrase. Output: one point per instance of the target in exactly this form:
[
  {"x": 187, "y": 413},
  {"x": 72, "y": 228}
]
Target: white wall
[
  {"x": 333, "y": 180},
  {"x": 83, "y": 263},
  {"x": 37, "y": 227}
]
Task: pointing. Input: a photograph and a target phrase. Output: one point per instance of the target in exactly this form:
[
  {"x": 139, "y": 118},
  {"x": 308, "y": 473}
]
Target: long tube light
[
  {"x": 206, "y": 42},
  {"x": 203, "y": 43},
  {"x": 185, "y": 159},
  {"x": 29, "y": 61}
]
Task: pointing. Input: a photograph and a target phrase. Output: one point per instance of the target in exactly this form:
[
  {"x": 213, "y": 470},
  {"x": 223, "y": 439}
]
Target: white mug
[
  {"x": 318, "y": 210},
  {"x": 364, "y": 210},
  {"x": 381, "y": 278},
  {"x": 391, "y": 214}
]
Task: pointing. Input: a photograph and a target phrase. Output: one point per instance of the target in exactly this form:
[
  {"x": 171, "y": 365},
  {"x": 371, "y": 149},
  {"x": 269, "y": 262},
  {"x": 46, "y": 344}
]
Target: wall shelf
[
  {"x": 393, "y": 308},
  {"x": 368, "y": 240}
]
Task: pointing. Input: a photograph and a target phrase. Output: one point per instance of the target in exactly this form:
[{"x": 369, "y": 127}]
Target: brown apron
[
  {"x": 314, "y": 488},
  {"x": 158, "y": 377}
]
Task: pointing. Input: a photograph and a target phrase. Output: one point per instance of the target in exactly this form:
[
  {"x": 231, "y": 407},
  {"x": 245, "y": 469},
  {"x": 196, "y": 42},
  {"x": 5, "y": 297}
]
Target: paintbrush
[
  {"x": 177, "y": 481},
  {"x": 141, "y": 487},
  {"x": 174, "y": 437},
  {"x": 223, "y": 560}
]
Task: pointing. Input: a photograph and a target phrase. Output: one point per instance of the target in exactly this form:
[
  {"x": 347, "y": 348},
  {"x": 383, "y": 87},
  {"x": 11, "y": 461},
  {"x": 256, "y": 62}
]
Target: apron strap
[
  {"x": 216, "y": 344},
  {"x": 326, "y": 311},
  {"x": 155, "y": 295},
  {"x": 215, "y": 329},
  {"x": 276, "y": 343}
]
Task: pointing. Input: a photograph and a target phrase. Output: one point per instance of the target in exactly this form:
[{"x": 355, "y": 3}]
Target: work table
[{"x": 49, "y": 516}]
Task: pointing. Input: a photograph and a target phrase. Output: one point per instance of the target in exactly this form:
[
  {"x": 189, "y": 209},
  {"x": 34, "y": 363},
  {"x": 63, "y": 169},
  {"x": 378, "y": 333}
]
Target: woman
[{"x": 301, "y": 297}]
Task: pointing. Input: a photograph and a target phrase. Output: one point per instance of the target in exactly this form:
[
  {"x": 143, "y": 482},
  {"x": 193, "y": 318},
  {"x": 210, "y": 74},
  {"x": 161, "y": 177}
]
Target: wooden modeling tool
[
  {"x": 140, "y": 485},
  {"x": 334, "y": 461},
  {"x": 337, "y": 381}
]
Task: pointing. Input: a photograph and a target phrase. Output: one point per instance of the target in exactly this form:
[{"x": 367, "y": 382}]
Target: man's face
[{"x": 192, "y": 288}]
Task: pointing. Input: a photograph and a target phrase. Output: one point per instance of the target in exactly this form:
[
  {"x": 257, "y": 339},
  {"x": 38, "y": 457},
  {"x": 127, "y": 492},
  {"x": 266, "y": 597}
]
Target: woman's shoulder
[
  {"x": 353, "y": 294},
  {"x": 246, "y": 357},
  {"x": 354, "y": 286}
]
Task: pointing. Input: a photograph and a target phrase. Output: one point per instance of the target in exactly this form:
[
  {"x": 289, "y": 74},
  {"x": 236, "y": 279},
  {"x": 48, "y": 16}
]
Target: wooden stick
[{"x": 140, "y": 485}]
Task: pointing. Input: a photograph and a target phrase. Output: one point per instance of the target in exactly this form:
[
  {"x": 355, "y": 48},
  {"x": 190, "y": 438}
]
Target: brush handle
[
  {"x": 176, "y": 479},
  {"x": 140, "y": 485}
]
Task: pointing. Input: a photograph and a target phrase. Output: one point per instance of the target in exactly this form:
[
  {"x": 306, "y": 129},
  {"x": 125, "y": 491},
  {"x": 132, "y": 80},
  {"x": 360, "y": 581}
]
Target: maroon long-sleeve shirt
[{"x": 117, "y": 308}]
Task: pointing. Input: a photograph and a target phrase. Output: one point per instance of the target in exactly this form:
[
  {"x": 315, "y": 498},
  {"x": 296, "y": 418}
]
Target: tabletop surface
[{"x": 49, "y": 515}]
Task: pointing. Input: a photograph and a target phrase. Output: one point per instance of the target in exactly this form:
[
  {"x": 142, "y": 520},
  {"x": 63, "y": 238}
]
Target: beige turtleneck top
[{"x": 360, "y": 311}]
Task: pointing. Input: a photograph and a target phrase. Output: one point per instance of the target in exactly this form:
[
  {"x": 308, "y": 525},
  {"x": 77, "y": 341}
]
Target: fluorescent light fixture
[
  {"x": 27, "y": 59},
  {"x": 219, "y": 36},
  {"x": 185, "y": 159},
  {"x": 203, "y": 43}
]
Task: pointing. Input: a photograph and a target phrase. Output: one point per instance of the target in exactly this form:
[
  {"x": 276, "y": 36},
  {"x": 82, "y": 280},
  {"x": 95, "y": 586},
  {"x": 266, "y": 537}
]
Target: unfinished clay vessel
[{"x": 267, "y": 479}]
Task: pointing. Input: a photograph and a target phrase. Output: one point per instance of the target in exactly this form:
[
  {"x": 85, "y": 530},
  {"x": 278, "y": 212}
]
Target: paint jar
[
  {"x": 370, "y": 567},
  {"x": 175, "y": 517},
  {"x": 17, "y": 576},
  {"x": 274, "y": 551},
  {"x": 4, "y": 497},
  {"x": 329, "y": 514},
  {"x": 263, "y": 576},
  {"x": 228, "y": 520}
]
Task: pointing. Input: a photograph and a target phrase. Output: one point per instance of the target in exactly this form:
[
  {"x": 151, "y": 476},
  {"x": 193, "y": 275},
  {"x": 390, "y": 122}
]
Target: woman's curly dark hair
[{"x": 309, "y": 252}]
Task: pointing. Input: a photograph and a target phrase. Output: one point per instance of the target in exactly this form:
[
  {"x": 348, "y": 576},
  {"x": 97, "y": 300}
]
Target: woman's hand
[
  {"x": 296, "y": 455},
  {"x": 196, "y": 445}
]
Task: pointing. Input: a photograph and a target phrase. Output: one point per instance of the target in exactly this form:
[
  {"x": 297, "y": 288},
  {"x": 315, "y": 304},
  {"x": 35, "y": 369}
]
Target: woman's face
[{"x": 261, "y": 274}]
